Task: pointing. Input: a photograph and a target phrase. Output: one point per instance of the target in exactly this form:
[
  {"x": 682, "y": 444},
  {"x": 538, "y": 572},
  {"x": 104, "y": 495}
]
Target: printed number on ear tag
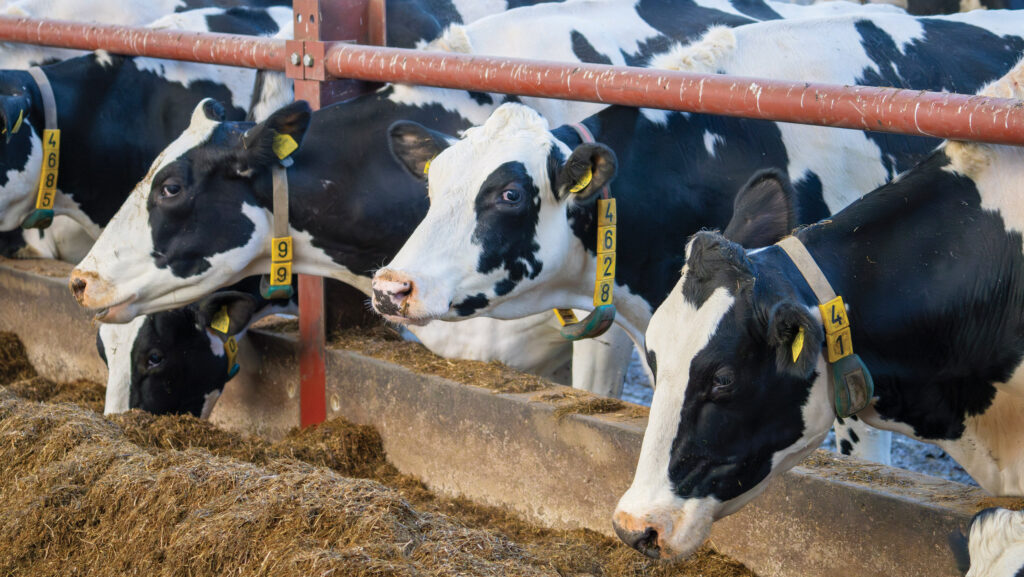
[
  {"x": 798, "y": 344},
  {"x": 281, "y": 273},
  {"x": 833, "y": 315},
  {"x": 221, "y": 322},
  {"x": 605, "y": 239},
  {"x": 282, "y": 249},
  {"x": 51, "y": 164},
  {"x": 607, "y": 212},
  {"x": 605, "y": 266},
  {"x": 839, "y": 345},
  {"x": 603, "y": 292}
]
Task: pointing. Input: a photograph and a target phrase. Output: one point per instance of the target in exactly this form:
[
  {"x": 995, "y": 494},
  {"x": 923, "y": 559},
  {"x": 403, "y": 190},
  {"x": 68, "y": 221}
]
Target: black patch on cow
[
  {"x": 845, "y": 447},
  {"x": 585, "y": 51},
  {"x": 470, "y": 305},
  {"x": 503, "y": 287},
  {"x": 100, "y": 348},
  {"x": 505, "y": 233},
  {"x": 481, "y": 98},
  {"x": 950, "y": 56},
  {"x": 756, "y": 9},
  {"x": 810, "y": 196},
  {"x": 853, "y": 436},
  {"x": 678, "y": 21},
  {"x": 652, "y": 362},
  {"x": 511, "y": 98},
  {"x": 194, "y": 4},
  {"x": 172, "y": 365},
  {"x": 520, "y": 3},
  {"x": 384, "y": 305},
  {"x": 18, "y": 90},
  {"x": 242, "y": 21},
  {"x": 11, "y": 242}
]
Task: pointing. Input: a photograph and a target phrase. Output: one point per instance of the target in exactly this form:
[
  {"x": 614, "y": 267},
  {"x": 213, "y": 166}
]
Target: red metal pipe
[
  {"x": 941, "y": 115},
  {"x": 226, "y": 49}
]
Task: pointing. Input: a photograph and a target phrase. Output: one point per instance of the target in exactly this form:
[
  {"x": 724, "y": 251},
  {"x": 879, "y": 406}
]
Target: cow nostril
[
  {"x": 648, "y": 542},
  {"x": 78, "y": 287}
]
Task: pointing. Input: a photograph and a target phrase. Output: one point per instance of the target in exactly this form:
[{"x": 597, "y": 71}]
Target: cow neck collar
[
  {"x": 601, "y": 318},
  {"x": 851, "y": 387},
  {"x": 42, "y": 216}
]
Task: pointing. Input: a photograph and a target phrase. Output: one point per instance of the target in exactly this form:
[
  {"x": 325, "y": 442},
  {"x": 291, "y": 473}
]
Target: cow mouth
[{"x": 118, "y": 313}]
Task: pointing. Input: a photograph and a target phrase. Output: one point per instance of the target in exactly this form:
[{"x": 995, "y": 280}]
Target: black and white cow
[
  {"x": 930, "y": 267},
  {"x": 349, "y": 166},
  {"x": 994, "y": 546},
  {"x": 108, "y": 150}
]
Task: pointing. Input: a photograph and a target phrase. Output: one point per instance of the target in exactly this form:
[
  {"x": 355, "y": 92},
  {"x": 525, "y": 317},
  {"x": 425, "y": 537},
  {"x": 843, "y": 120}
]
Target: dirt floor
[{"x": 146, "y": 495}]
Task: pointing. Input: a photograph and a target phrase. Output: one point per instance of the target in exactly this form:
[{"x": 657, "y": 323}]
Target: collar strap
[
  {"x": 603, "y": 315},
  {"x": 279, "y": 284},
  {"x": 849, "y": 379},
  {"x": 42, "y": 216}
]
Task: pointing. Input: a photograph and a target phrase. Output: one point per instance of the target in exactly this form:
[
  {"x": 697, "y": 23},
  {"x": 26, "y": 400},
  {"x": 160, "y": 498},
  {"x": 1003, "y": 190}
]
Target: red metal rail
[{"x": 940, "y": 115}]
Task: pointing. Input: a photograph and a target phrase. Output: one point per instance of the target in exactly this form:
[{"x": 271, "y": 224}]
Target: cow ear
[
  {"x": 14, "y": 109},
  {"x": 590, "y": 167},
  {"x": 226, "y": 312},
  {"x": 710, "y": 253},
  {"x": 796, "y": 338},
  {"x": 414, "y": 146},
  {"x": 764, "y": 210},
  {"x": 274, "y": 139}
]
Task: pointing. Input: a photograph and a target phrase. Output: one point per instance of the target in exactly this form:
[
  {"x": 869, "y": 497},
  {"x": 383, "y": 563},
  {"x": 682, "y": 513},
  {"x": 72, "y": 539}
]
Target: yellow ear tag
[
  {"x": 583, "y": 181},
  {"x": 17, "y": 125},
  {"x": 284, "y": 145},
  {"x": 426, "y": 167},
  {"x": 221, "y": 323},
  {"x": 798, "y": 344}
]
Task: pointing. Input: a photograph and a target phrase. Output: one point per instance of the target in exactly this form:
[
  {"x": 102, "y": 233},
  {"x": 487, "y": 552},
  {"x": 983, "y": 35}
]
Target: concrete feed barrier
[{"x": 830, "y": 516}]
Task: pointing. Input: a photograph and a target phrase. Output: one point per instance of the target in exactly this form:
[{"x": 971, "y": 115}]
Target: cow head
[
  {"x": 498, "y": 224},
  {"x": 196, "y": 222},
  {"x": 735, "y": 402},
  {"x": 172, "y": 362},
  {"x": 21, "y": 150}
]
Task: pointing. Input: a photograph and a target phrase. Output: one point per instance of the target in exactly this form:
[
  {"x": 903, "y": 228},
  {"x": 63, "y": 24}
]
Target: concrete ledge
[{"x": 830, "y": 516}]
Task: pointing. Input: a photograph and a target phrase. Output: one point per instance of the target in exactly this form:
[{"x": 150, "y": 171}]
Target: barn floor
[{"x": 134, "y": 493}]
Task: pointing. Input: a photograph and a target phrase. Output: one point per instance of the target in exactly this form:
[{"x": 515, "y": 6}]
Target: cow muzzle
[
  {"x": 394, "y": 296},
  {"x": 92, "y": 292},
  {"x": 663, "y": 534}
]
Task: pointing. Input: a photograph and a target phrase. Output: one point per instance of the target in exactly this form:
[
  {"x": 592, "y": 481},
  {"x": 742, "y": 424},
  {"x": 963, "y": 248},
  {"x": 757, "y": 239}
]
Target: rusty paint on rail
[{"x": 941, "y": 115}]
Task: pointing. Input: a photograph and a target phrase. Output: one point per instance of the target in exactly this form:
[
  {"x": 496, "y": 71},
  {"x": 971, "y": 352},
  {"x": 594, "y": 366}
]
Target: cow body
[
  {"x": 994, "y": 546},
  {"x": 930, "y": 268}
]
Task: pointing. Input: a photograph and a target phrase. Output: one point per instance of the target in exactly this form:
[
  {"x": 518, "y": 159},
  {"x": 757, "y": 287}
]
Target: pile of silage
[{"x": 161, "y": 495}]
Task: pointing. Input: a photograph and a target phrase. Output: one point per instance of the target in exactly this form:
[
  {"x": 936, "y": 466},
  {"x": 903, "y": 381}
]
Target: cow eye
[
  {"x": 154, "y": 359},
  {"x": 170, "y": 189},
  {"x": 511, "y": 195},
  {"x": 722, "y": 384}
]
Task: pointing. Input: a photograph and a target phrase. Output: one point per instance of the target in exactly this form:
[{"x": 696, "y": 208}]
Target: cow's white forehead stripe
[
  {"x": 118, "y": 341},
  {"x": 675, "y": 350}
]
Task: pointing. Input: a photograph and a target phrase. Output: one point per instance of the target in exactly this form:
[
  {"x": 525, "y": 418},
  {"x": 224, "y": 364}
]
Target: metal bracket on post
[{"x": 359, "y": 21}]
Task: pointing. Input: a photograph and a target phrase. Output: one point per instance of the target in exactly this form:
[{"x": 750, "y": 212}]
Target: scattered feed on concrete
[
  {"x": 17, "y": 374},
  {"x": 572, "y": 401},
  {"x": 174, "y": 495},
  {"x": 855, "y": 471},
  {"x": 385, "y": 344},
  {"x": 41, "y": 266}
]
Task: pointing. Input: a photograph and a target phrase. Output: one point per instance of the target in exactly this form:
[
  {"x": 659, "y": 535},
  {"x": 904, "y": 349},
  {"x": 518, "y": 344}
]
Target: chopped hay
[
  {"x": 573, "y": 401},
  {"x": 14, "y": 365},
  {"x": 86, "y": 394},
  {"x": 384, "y": 344},
  {"x": 162, "y": 495}
]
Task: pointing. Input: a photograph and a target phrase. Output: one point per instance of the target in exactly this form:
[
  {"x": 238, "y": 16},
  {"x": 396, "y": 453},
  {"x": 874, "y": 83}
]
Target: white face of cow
[
  {"x": 192, "y": 225},
  {"x": 731, "y": 407},
  {"x": 498, "y": 227}
]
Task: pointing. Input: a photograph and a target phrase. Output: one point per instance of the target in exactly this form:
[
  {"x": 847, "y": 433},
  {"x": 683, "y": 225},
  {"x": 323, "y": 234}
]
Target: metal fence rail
[{"x": 941, "y": 115}]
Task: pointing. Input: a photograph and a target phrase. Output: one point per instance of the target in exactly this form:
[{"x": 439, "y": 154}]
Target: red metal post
[{"x": 316, "y": 21}]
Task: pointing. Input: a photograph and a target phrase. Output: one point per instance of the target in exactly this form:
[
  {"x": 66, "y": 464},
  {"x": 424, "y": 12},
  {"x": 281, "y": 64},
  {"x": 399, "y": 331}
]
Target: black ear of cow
[
  {"x": 14, "y": 109},
  {"x": 961, "y": 553},
  {"x": 240, "y": 308},
  {"x": 414, "y": 146},
  {"x": 590, "y": 167},
  {"x": 709, "y": 252},
  {"x": 764, "y": 210},
  {"x": 795, "y": 355},
  {"x": 259, "y": 141}
]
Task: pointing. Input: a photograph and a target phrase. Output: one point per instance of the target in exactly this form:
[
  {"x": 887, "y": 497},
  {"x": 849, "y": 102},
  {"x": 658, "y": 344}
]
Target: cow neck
[
  {"x": 926, "y": 270},
  {"x": 42, "y": 216},
  {"x": 344, "y": 178},
  {"x": 849, "y": 381}
]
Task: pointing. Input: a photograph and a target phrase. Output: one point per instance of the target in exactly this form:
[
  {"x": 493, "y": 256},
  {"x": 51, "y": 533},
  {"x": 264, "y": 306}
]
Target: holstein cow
[
  {"x": 929, "y": 268},
  {"x": 107, "y": 149},
  {"x": 508, "y": 237},
  {"x": 339, "y": 174},
  {"x": 994, "y": 546}
]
